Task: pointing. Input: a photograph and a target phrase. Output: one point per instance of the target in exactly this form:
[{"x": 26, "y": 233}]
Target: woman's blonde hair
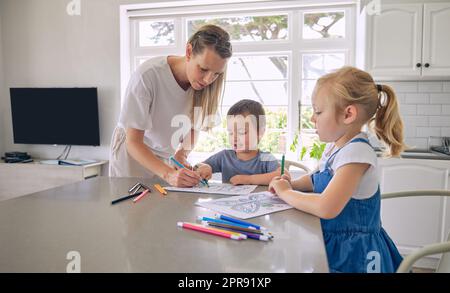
[
  {"x": 352, "y": 86},
  {"x": 209, "y": 98}
]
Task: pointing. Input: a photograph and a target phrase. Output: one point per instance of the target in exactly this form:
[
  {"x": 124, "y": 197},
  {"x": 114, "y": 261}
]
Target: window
[{"x": 279, "y": 52}]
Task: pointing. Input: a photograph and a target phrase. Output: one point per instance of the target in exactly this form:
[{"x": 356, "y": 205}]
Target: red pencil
[
  {"x": 140, "y": 196},
  {"x": 207, "y": 230}
]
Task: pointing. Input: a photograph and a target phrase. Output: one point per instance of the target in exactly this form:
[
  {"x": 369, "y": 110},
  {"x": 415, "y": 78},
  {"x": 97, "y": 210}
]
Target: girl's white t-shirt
[
  {"x": 154, "y": 101},
  {"x": 356, "y": 152}
]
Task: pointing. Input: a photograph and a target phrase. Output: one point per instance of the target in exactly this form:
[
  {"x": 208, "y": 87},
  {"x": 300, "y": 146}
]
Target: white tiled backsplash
[{"x": 425, "y": 109}]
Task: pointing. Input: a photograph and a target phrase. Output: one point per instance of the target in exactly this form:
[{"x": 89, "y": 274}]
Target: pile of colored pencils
[{"x": 229, "y": 227}]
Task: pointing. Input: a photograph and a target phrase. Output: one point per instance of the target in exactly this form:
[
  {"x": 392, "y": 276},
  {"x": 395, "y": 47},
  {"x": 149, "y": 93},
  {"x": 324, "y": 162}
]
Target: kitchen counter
[{"x": 420, "y": 154}]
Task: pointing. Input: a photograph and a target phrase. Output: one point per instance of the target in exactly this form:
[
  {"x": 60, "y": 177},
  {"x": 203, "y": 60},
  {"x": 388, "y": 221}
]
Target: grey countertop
[
  {"x": 39, "y": 230},
  {"x": 422, "y": 154}
]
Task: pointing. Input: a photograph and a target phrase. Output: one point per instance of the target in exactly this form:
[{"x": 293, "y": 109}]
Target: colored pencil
[
  {"x": 238, "y": 228},
  {"x": 207, "y": 230},
  {"x": 160, "y": 189},
  {"x": 282, "y": 165},
  {"x": 125, "y": 198},
  {"x": 230, "y": 219},
  {"x": 141, "y": 196},
  {"x": 203, "y": 181},
  {"x": 200, "y": 218},
  {"x": 237, "y": 233},
  {"x": 251, "y": 235}
]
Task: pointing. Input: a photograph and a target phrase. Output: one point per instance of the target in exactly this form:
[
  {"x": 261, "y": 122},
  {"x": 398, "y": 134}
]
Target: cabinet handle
[
  {"x": 427, "y": 65},
  {"x": 418, "y": 65}
]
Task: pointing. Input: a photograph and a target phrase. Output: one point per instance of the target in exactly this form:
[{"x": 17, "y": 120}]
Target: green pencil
[{"x": 282, "y": 165}]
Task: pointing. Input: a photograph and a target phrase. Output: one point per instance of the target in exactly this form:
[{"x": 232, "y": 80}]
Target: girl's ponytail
[{"x": 387, "y": 123}]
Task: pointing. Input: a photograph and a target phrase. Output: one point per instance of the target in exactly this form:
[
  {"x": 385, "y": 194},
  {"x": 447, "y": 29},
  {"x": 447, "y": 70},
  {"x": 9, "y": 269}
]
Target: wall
[
  {"x": 45, "y": 47},
  {"x": 425, "y": 109}
]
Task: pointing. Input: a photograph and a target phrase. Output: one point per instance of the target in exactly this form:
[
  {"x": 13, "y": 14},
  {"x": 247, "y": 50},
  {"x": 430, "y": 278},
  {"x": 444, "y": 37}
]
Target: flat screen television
[{"x": 57, "y": 116}]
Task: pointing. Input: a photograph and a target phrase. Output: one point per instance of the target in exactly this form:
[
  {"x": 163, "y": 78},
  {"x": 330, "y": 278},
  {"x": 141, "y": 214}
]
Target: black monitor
[{"x": 63, "y": 116}]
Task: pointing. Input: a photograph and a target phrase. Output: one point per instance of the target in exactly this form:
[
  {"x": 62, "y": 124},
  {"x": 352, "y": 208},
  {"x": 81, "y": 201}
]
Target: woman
[{"x": 161, "y": 89}]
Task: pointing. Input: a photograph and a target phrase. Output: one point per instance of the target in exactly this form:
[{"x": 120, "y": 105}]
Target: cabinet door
[
  {"x": 415, "y": 221},
  {"x": 436, "y": 39},
  {"x": 394, "y": 41}
]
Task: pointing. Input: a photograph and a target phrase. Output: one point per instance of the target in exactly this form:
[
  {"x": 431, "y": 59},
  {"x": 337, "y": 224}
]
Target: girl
[
  {"x": 160, "y": 89},
  {"x": 346, "y": 194}
]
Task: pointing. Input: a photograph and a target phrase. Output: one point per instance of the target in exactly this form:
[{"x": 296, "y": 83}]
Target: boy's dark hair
[{"x": 249, "y": 107}]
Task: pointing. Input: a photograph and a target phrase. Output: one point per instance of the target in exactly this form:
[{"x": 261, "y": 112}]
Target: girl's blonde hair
[
  {"x": 352, "y": 86},
  {"x": 209, "y": 98}
]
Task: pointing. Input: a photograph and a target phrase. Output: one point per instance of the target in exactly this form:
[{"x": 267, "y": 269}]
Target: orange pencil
[{"x": 160, "y": 189}]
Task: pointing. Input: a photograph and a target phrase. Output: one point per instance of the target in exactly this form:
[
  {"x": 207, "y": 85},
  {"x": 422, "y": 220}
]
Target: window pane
[
  {"x": 274, "y": 140},
  {"x": 257, "y": 67},
  {"x": 268, "y": 93},
  {"x": 247, "y": 28},
  {"x": 316, "y": 65},
  {"x": 156, "y": 33},
  {"x": 324, "y": 25},
  {"x": 307, "y": 89},
  {"x": 305, "y": 117}
]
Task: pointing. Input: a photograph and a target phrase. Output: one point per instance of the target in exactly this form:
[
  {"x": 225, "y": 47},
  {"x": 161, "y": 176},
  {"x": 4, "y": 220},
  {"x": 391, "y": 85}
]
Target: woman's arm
[
  {"x": 332, "y": 200},
  {"x": 141, "y": 153}
]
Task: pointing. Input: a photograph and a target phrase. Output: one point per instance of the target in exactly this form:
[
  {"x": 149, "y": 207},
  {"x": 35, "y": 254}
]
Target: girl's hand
[
  {"x": 278, "y": 185},
  {"x": 205, "y": 171},
  {"x": 183, "y": 178},
  {"x": 286, "y": 176},
  {"x": 239, "y": 179},
  {"x": 180, "y": 156}
]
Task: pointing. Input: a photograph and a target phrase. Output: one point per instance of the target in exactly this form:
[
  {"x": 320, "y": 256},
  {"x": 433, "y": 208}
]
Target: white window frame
[{"x": 294, "y": 47}]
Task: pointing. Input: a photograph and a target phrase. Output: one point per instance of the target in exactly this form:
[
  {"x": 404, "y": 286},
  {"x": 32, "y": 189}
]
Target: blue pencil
[
  {"x": 200, "y": 218},
  {"x": 225, "y": 218},
  {"x": 204, "y": 181}
]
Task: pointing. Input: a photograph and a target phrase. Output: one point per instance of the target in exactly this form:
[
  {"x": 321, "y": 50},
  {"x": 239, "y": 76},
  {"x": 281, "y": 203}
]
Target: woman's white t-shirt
[
  {"x": 153, "y": 101},
  {"x": 356, "y": 152}
]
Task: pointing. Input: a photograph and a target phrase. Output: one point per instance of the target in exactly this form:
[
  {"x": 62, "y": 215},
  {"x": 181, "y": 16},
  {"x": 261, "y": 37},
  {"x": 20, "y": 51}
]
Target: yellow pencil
[{"x": 160, "y": 189}]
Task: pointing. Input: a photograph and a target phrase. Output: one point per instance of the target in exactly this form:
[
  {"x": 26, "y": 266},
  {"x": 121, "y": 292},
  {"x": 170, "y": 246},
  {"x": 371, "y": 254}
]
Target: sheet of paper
[
  {"x": 216, "y": 188},
  {"x": 247, "y": 206}
]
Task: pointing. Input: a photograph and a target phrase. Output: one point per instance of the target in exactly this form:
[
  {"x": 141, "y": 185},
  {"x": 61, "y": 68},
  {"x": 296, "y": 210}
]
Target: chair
[
  {"x": 288, "y": 164},
  {"x": 408, "y": 261}
]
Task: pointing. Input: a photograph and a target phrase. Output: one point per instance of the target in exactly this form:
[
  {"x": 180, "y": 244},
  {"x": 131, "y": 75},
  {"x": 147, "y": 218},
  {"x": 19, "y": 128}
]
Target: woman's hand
[
  {"x": 240, "y": 179},
  {"x": 183, "y": 178},
  {"x": 280, "y": 184},
  {"x": 205, "y": 171},
  {"x": 180, "y": 156}
]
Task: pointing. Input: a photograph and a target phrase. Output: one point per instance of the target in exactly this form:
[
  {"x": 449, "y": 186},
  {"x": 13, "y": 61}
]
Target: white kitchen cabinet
[
  {"x": 416, "y": 221},
  {"x": 405, "y": 41},
  {"x": 436, "y": 39}
]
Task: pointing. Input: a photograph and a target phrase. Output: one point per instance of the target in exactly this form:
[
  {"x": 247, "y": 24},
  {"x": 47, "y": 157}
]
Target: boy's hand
[
  {"x": 279, "y": 184},
  {"x": 240, "y": 179},
  {"x": 205, "y": 171}
]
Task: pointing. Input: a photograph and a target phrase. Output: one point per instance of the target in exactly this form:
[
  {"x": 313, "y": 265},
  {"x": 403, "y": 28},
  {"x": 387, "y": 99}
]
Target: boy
[{"x": 244, "y": 163}]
